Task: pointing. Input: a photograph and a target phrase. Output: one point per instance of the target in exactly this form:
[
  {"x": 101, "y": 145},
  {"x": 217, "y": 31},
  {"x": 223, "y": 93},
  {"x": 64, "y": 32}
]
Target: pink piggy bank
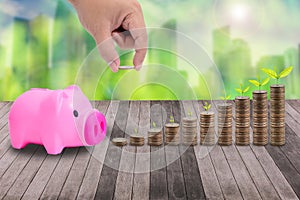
[{"x": 55, "y": 119}]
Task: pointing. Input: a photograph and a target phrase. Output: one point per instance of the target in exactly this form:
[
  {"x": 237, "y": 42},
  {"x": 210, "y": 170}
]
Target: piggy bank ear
[
  {"x": 61, "y": 97},
  {"x": 54, "y": 102},
  {"x": 73, "y": 87}
]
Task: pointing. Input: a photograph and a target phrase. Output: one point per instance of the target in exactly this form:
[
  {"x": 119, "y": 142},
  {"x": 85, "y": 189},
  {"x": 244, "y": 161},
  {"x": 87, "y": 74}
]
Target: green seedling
[
  {"x": 242, "y": 90},
  {"x": 225, "y": 98},
  {"x": 190, "y": 114},
  {"x": 135, "y": 131},
  {"x": 258, "y": 83},
  {"x": 172, "y": 119},
  {"x": 206, "y": 106},
  {"x": 276, "y": 75},
  {"x": 153, "y": 124}
]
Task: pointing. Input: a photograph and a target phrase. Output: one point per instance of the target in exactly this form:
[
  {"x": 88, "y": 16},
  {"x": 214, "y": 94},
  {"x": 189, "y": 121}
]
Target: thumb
[{"x": 106, "y": 48}]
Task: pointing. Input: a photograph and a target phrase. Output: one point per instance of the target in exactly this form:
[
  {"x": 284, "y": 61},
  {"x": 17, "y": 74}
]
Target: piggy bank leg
[
  {"x": 52, "y": 144},
  {"x": 17, "y": 138}
]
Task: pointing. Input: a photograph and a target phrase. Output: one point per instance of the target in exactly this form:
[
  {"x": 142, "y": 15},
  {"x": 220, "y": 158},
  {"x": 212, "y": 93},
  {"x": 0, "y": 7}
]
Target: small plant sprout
[
  {"x": 190, "y": 114},
  {"x": 135, "y": 131},
  {"x": 153, "y": 124},
  {"x": 206, "y": 106},
  {"x": 276, "y": 75},
  {"x": 225, "y": 97},
  {"x": 242, "y": 90},
  {"x": 258, "y": 83},
  {"x": 172, "y": 119}
]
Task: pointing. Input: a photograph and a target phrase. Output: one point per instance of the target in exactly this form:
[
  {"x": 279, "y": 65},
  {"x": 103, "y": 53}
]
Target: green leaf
[
  {"x": 246, "y": 89},
  {"x": 270, "y": 73},
  {"x": 228, "y": 97},
  {"x": 254, "y": 82},
  {"x": 172, "y": 119},
  {"x": 222, "y": 98},
  {"x": 239, "y": 90},
  {"x": 208, "y": 107},
  {"x": 265, "y": 81},
  {"x": 154, "y": 125},
  {"x": 285, "y": 72}
]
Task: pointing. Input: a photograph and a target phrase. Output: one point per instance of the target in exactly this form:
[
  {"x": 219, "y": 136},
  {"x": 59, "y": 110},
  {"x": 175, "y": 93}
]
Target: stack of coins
[
  {"x": 260, "y": 117},
  {"x": 155, "y": 137},
  {"x": 119, "y": 141},
  {"x": 172, "y": 133},
  {"x": 242, "y": 120},
  {"x": 207, "y": 128},
  {"x": 277, "y": 115},
  {"x": 137, "y": 140},
  {"x": 189, "y": 131},
  {"x": 225, "y": 124}
]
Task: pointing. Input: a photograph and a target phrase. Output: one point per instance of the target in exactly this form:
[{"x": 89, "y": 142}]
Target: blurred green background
[{"x": 42, "y": 44}]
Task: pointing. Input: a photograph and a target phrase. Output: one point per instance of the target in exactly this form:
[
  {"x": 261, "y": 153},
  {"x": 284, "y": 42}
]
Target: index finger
[{"x": 137, "y": 29}]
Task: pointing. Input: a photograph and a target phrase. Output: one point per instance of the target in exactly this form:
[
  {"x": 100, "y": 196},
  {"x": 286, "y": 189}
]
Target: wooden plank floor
[{"x": 165, "y": 172}]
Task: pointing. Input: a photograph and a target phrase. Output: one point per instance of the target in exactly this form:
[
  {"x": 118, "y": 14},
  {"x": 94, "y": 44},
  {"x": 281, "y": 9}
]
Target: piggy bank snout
[{"x": 95, "y": 128}]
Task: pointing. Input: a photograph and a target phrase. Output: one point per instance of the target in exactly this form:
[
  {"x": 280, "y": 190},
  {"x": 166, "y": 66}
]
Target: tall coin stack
[
  {"x": 225, "y": 124},
  {"x": 277, "y": 115},
  {"x": 260, "y": 117},
  {"x": 189, "y": 131},
  {"x": 155, "y": 137},
  {"x": 242, "y": 120},
  {"x": 207, "y": 128},
  {"x": 172, "y": 133}
]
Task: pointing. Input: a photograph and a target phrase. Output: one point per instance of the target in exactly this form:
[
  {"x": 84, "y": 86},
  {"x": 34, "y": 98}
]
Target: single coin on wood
[{"x": 119, "y": 141}]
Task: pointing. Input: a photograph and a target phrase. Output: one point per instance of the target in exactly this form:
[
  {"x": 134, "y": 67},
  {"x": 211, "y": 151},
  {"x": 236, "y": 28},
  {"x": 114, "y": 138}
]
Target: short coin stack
[
  {"x": 207, "y": 128},
  {"x": 119, "y": 141},
  {"x": 242, "y": 120},
  {"x": 225, "y": 124},
  {"x": 277, "y": 115},
  {"x": 189, "y": 131},
  {"x": 137, "y": 140},
  {"x": 260, "y": 117},
  {"x": 155, "y": 137},
  {"x": 172, "y": 133}
]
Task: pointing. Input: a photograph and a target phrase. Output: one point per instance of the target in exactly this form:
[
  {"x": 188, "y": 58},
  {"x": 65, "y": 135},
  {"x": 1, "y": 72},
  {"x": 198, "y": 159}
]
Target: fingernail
[
  {"x": 114, "y": 67},
  {"x": 138, "y": 67}
]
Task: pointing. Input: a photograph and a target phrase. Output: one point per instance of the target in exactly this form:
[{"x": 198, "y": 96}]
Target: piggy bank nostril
[{"x": 102, "y": 126}]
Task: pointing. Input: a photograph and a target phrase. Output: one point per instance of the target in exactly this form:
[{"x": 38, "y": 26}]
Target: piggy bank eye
[{"x": 75, "y": 113}]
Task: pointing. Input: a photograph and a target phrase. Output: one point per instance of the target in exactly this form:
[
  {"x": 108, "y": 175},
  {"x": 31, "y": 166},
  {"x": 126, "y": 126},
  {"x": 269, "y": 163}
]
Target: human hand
[{"x": 106, "y": 20}]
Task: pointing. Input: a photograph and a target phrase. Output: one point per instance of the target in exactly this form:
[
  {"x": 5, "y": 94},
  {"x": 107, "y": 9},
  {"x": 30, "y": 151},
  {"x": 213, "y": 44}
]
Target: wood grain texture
[
  {"x": 60, "y": 174},
  {"x": 158, "y": 178},
  {"x": 141, "y": 179},
  {"x": 124, "y": 182},
  {"x": 26, "y": 176},
  {"x": 233, "y": 172},
  {"x": 193, "y": 181},
  {"x": 258, "y": 175},
  {"x": 107, "y": 183},
  {"x": 224, "y": 173},
  {"x": 176, "y": 184},
  {"x": 278, "y": 180},
  {"x": 208, "y": 174},
  {"x": 286, "y": 167},
  {"x": 40, "y": 180},
  {"x": 92, "y": 175},
  {"x": 4, "y": 122},
  {"x": 11, "y": 174},
  {"x": 241, "y": 174},
  {"x": 77, "y": 172}
]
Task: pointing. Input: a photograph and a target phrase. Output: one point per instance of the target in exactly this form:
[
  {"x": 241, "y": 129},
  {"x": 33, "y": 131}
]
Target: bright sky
[{"x": 269, "y": 26}]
